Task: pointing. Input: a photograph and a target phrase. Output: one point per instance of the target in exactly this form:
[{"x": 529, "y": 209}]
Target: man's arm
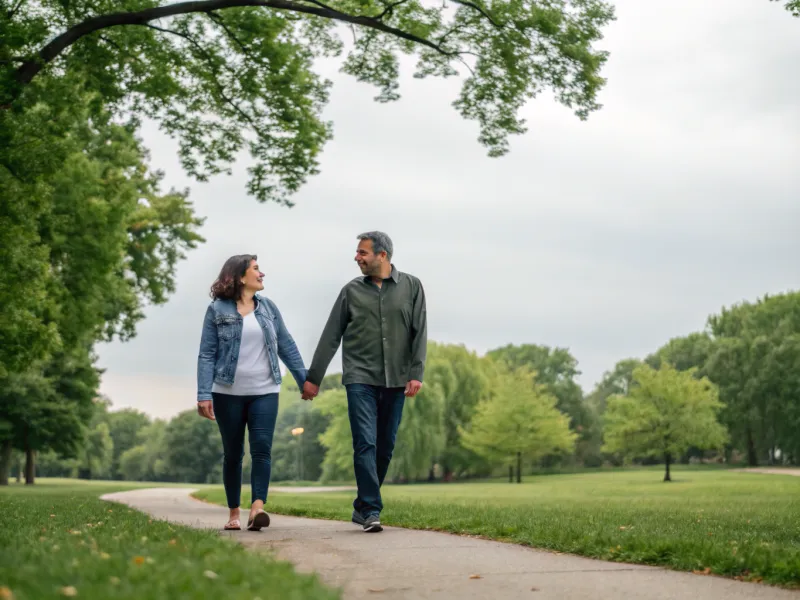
[
  {"x": 330, "y": 340},
  {"x": 419, "y": 336}
]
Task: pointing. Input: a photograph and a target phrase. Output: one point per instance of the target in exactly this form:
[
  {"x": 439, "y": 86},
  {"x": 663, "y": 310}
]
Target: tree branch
[
  {"x": 221, "y": 22},
  {"x": 51, "y": 51},
  {"x": 14, "y": 9},
  {"x": 390, "y": 8},
  {"x": 220, "y": 89},
  {"x": 485, "y": 14}
]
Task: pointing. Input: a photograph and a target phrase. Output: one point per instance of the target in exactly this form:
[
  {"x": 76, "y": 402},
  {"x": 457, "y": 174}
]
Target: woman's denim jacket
[{"x": 222, "y": 336}]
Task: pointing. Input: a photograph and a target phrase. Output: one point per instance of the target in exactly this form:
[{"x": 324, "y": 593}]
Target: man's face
[{"x": 369, "y": 262}]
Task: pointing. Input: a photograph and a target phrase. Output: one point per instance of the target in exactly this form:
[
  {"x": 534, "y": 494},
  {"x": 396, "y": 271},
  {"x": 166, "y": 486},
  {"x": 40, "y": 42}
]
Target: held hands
[
  {"x": 310, "y": 391},
  {"x": 413, "y": 387},
  {"x": 206, "y": 409}
]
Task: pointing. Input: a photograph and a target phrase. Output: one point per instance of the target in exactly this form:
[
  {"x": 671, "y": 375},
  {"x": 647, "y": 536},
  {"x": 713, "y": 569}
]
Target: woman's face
[{"x": 253, "y": 278}]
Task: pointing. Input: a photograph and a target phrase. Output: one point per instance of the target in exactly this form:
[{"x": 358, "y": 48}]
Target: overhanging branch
[{"x": 30, "y": 68}]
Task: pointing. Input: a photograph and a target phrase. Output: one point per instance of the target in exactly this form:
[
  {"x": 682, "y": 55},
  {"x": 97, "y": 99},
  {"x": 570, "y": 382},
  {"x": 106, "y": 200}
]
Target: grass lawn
[
  {"x": 722, "y": 522},
  {"x": 57, "y": 539}
]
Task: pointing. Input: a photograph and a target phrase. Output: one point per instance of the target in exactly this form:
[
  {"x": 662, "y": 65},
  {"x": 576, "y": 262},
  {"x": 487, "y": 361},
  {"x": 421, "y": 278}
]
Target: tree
[
  {"x": 337, "y": 438},
  {"x": 48, "y": 406},
  {"x": 463, "y": 378},
  {"x": 192, "y": 449},
  {"x": 616, "y": 382},
  {"x": 520, "y": 420},
  {"x": 664, "y": 414},
  {"x": 145, "y": 461},
  {"x": 125, "y": 427},
  {"x": 224, "y": 75},
  {"x": 97, "y": 452},
  {"x": 421, "y": 436},
  {"x": 756, "y": 348},
  {"x": 684, "y": 353},
  {"x": 557, "y": 369},
  {"x": 793, "y": 6},
  {"x": 106, "y": 242},
  {"x": 285, "y": 451}
]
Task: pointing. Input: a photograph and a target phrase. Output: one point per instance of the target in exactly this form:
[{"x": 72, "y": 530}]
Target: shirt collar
[{"x": 395, "y": 275}]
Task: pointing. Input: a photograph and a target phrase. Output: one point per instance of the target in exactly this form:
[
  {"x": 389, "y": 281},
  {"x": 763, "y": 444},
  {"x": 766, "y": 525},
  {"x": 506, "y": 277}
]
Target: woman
[{"x": 238, "y": 378}]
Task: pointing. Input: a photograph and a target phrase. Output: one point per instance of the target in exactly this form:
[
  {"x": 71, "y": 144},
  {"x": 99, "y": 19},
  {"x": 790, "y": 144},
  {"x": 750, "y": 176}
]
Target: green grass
[
  {"x": 58, "y": 539},
  {"x": 735, "y": 524}
]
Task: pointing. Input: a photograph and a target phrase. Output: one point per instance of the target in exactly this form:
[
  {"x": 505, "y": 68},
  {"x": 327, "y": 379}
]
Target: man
[{"x": 382, "y": 319}]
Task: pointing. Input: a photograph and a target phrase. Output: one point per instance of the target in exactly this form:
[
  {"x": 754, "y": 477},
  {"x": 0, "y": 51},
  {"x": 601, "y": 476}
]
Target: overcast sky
[{"x": 607, "y": 237}]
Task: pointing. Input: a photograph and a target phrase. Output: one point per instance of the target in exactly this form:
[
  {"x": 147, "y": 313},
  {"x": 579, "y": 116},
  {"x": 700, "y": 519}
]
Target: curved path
[{"x": 420, "y": 565}]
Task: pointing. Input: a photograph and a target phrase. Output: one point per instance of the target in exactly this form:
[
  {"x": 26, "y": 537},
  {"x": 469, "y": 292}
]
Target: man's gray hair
[{"x": 380, "y": 242}]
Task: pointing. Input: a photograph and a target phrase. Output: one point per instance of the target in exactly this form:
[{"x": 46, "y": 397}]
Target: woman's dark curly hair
[{"x": 228, "y": 285}]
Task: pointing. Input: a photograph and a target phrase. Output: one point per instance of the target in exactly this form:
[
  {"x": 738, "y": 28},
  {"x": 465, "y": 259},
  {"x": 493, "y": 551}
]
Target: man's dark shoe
[
  {"x": 372, "y": 524},
  {"x": 358, "y": 518}
]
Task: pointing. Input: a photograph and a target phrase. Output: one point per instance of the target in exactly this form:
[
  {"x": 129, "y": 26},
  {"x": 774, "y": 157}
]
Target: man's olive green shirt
[{"x": 383, "y": 332}]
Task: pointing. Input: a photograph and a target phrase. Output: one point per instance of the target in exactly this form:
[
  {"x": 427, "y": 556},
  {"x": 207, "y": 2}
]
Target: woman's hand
[{"x": 206, "y": 409}]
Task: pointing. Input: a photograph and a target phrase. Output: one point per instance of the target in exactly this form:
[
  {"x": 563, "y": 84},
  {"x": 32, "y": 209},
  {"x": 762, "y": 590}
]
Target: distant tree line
[{"x": 730, "y": 394}]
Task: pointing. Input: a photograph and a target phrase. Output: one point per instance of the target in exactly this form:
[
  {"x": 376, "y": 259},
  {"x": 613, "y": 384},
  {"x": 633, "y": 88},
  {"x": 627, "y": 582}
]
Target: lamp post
[{"x": 297, "y": 432}]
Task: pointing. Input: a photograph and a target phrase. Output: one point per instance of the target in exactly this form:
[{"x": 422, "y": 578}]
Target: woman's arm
[
  {"x": 287, "y": 349},
  {"x": 207, "y": 356}
]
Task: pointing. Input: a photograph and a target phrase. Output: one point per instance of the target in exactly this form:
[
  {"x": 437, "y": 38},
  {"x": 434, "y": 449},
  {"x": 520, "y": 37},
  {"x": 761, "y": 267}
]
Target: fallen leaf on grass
[
  {"x": 69, "y": 591},
  {"x": 210, "y": 574},
  {"x": 173, "y": 542},
  {"x": 475, "y": 577},
  {"x": 51, "y": 516},
  {"x": 6, "y": 594},
  {"x": 139, "y": 560},
  {"x": 622, "y": 528}
]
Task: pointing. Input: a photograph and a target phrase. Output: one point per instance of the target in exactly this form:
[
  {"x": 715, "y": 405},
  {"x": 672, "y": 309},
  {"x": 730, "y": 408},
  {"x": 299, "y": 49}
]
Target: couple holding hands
[{"x": 380, "y": 321}]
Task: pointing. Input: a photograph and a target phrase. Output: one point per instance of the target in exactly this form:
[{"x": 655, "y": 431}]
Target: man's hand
[
  {"x": 206, "y": 409},
  {"x": 310, "y": 391},
  {"x": 413, "y": 387}
]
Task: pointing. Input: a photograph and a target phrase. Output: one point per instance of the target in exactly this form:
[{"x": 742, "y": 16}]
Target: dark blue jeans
[
  {"x": 258, "y": 414},
  {"x": 375, "y": 414}
]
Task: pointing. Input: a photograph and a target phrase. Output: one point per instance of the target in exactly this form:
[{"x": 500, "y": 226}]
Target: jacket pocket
[{"x": 226, "y": 326}]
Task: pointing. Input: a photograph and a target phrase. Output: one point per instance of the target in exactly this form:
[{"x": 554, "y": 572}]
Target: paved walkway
[
  {"x": 771, "y": 471},
  {"x": 421, "y": 565}
]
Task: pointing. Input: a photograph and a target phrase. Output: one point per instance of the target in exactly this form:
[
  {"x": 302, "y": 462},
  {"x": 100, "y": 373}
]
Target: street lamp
[{"x": 297, "y": 432}]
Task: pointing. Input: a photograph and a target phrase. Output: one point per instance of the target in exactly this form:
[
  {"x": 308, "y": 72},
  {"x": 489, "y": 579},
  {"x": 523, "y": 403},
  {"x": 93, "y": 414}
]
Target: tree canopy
[
  {"x": 227, "y": 75},
  {"x": 519, "y": 421},
  {"x": 664, "y": 414}
]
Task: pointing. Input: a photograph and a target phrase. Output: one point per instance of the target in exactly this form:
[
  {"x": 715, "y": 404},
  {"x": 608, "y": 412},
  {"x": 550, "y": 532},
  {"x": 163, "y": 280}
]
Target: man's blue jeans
[
  {"x": 375, "y": 414},
  {"x": 234, "y": 414}
]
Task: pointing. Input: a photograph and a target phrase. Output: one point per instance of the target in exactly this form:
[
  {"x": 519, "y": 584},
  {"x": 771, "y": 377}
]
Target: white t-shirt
[{"x": 253, "y": 372}]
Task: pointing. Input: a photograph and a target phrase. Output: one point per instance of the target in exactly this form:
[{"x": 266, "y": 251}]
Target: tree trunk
[
  {"x": 30, "y": 466},
  {"x": 667, "y": 461},
  {"x": 5, "y": 462},
  {"x": 752, "y": 455},
  {"x": 519, "y": 467}
]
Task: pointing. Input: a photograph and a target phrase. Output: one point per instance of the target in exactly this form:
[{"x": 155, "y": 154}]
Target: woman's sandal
[
  {"x": 233, "y": 525},
  {"x": 260, "y": 520}
]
